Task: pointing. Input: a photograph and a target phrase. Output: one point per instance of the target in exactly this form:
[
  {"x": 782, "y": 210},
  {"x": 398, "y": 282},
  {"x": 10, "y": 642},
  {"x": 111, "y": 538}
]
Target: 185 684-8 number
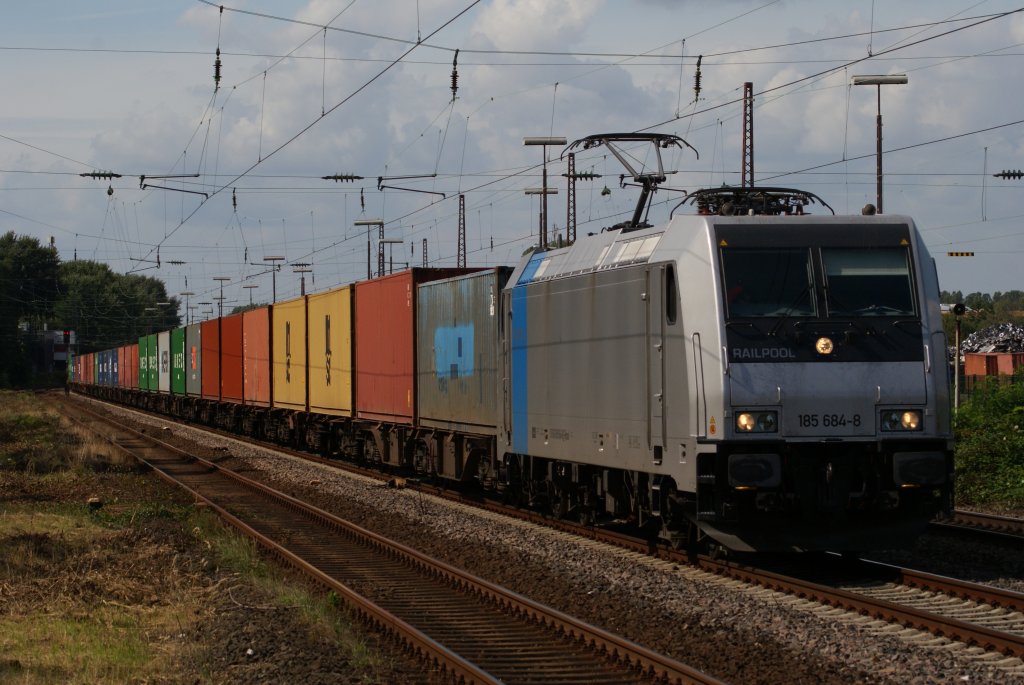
[{"x": 829, "y": 420}]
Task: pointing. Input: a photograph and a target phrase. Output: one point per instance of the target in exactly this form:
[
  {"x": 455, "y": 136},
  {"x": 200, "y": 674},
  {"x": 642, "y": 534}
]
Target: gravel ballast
[{"x": 732, "y": 631}]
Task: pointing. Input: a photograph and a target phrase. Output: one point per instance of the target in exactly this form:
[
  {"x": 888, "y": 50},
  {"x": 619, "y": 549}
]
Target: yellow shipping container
[
  {"x": 330, "y": 352},
  {"x": 289, "y": 350}
]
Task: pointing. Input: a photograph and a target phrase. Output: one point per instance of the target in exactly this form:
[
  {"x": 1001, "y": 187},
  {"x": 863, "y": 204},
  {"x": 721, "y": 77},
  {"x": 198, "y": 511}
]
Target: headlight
[
  {"x": 901, "y": 420},
  {"x": 757, "y": 422}
]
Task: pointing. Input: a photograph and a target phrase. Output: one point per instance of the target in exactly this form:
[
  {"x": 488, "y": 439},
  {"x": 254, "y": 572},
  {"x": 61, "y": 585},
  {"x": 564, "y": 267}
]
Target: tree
[
  {"x": 979, "y": 301},
  {"x": 28, "y": 286},
  {"x": 107, "y": 309},
  {"x": 246, "y": 307}
]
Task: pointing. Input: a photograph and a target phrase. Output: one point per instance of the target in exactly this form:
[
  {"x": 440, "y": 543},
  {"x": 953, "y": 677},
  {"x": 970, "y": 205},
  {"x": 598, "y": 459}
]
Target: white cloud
[{"x": 536, "y": 24}]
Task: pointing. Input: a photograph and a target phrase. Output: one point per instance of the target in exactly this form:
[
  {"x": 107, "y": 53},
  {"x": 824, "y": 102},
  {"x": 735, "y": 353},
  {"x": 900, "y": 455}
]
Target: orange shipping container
[
  {"x": 209, "y": 340},
  {"x": 90, "y": 368},
  {"x": 289, "y": 350},
  {"x": 133, "y": 366},
  {"x": 231, "y": 358},
  {"x": 329, "y": 320},
  {"x": 122, "y": 366},
  {"x": 256, "y": 351}
]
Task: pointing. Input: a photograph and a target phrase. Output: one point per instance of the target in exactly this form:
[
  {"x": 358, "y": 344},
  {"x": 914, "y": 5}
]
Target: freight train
[{"x": 751, "y": 375}]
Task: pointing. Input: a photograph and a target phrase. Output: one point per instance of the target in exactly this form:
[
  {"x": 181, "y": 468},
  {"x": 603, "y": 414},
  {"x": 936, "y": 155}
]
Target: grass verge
[{"x": 146, "y": 588}]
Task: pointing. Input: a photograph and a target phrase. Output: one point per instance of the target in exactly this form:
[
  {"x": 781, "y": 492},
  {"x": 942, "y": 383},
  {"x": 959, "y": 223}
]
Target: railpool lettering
[{"x": 763, "y": 353}]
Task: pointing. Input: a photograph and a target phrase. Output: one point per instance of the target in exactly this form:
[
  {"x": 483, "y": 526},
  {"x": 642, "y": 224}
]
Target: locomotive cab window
[
  {"x": 767, "y": 282},
  {"x": 868, "y": 282}
]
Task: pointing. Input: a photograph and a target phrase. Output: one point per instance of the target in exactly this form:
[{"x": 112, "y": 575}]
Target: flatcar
[{"x": 750, "y": 375}]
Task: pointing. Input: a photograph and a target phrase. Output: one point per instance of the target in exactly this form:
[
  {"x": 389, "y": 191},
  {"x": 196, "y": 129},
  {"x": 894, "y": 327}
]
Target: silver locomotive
[{"x": 751, "y": 373}]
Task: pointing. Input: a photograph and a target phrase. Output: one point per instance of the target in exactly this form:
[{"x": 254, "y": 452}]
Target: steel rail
[
  {"x": 622, "y": 653},
  {"x": 954, "y": 629},
  {"x": 989, "y": 526}
]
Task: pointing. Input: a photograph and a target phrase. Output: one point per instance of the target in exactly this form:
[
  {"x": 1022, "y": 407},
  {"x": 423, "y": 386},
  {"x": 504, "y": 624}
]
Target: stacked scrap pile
[{"x": 1002, "y": 337}]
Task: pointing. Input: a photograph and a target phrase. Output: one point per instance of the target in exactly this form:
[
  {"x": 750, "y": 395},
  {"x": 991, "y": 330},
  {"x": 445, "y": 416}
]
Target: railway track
[
  {"x": 985, "y": 620},
  {"x": 979, "y": 525},
  {"x": 469, "y": 630}
]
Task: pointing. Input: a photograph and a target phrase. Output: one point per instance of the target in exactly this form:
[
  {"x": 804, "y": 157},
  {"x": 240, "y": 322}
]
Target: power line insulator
[
  {"x": 100, "y": 174},
  {"x": 216, "y": 72},
  {"x": 696, "y": 80},
  {"x": 455, "y": 75},
  {"x": 342, "y": 177},
  {"x": 1012, "y": 173}
]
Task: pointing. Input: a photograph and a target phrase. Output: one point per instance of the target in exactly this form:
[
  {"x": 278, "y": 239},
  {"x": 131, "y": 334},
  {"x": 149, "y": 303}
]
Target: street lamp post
[
  {"x": 187, "y": 294},
  {"x": 391, "y": 262},
  {"x": 369, "y": 223},
  {"x": 149, "y": 318},
  {"x": 158, "y": 307},
  {"x": 249, "y": 287},
  {"x": 302, "y": 268},
  {"x": 958, "y": 311},
  {"x": 878, "y": 81},
  {"x": 542, "y": 238},
  {"x": 220, "y": 299},
  {"x": 544, "y": 141},
  {"x": 275, "y": 267}
]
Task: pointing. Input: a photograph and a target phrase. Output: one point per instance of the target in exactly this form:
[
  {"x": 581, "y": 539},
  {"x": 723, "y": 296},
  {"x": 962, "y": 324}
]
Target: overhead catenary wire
[
  {"x": 257, "y": 190},
  {"x": 480, "y": 51},
  {"x": 334, "y": 107}
]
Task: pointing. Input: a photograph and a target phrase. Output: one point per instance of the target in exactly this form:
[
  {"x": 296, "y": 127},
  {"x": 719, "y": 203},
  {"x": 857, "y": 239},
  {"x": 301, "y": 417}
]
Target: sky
[{"x": 364, "y": 88}]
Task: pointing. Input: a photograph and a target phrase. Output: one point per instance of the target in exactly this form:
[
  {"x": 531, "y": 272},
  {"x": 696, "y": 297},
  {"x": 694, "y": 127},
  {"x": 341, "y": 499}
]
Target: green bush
[{"x": 990, "y": 446}]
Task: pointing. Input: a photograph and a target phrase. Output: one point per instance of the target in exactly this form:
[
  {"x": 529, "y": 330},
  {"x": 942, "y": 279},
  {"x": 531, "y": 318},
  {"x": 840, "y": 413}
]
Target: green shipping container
[
  {"x": 178, "y": 361},
  {"x": 152, "y": 363},
  {"x": 144, "y": 363}
]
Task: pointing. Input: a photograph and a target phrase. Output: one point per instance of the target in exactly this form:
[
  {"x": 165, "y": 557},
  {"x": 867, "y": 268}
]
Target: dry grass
[
  {"x": 81, "y": 602},
  {"x": 35, "y": 438},
  {"x": 133, "y": 591}
]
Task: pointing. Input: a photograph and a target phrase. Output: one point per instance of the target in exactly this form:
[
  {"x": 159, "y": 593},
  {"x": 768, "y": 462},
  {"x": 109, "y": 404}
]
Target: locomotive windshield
[
  {"x": 768, "y": 282},
  {"x": 790, "y": 282},
  {"x": 867, "y": 282}
]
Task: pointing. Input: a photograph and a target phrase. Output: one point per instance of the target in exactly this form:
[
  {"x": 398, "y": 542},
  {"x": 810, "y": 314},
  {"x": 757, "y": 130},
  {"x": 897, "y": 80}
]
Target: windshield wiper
[{"x": 788, "y": 311}]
